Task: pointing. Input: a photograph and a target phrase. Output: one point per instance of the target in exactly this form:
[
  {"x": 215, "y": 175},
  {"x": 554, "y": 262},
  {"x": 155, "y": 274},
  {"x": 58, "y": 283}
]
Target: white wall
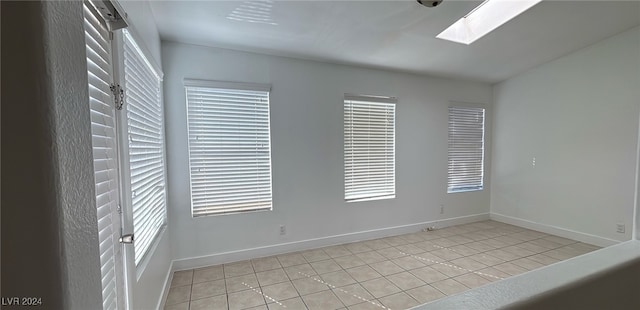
[
  {"x": 139, "y": 14},
  {"x": 307, "y": 148},
  {"x": 70, "y": 128},
  {"x": 149, "y": 287},
  {"x": 578, "y": 116}
]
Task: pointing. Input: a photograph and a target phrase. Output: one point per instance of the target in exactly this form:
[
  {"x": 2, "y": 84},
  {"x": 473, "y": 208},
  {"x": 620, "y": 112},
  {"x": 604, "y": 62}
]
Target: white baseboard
[
  {"x": 166, "y": 287},
  {"x": 232, "y": 256},
  {"x": 554, "y": 230}
]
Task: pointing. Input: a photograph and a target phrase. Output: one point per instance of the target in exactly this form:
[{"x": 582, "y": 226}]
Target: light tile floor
[{"x": 390, "y": 273}]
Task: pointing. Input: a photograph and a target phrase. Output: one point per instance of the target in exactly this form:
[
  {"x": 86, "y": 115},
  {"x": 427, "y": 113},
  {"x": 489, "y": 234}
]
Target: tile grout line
[
  {"x": 515, "y": 244},
  {"x": 512, "y": 261},
  {"x": 453, "y": 266},
  {"x": 264, "y": 295},
  {"x": 401, "y": 241},
  {"x": 295, "y": 288},
  {"x": 344, "y": 291}
]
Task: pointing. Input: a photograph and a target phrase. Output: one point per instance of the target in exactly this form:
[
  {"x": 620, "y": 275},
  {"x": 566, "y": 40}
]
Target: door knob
[{"x": 127, "y": 239}]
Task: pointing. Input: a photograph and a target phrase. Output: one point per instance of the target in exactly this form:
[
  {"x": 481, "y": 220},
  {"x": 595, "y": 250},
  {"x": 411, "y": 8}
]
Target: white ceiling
[{"x": 398, "y": 35}]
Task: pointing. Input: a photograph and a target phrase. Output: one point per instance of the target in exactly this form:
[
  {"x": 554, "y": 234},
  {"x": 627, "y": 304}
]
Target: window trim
[
  {"x": 125, "y": 171},
  {"x": 124, "y": 113},
  {"x": 229, "y": 85},
  {"x": 460, "y": 104}
]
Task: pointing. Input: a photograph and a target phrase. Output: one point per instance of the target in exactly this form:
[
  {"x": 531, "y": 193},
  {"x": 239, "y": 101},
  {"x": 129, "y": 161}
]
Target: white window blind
[
  {"x": 145, "y": 132},
  {"x": 229, "y": 147},
  {"x": 369, "y": 147},
  {"x": 104, "y": 144},
  {"x": 466, "y": 148}
]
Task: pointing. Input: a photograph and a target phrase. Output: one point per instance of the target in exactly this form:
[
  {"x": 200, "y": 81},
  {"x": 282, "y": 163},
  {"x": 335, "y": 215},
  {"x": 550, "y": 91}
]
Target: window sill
[
  {"x": 142, "y": 266},
  {"x": 371, "y": 198},
  {"x": 465, "y": 190},
  {"x": 230, "y": 213}
]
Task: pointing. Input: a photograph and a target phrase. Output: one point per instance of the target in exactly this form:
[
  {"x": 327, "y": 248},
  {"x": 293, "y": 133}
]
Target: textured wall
[
  {"x": 49, "y": 226},
  {"x": 65, "y": 54},
  {"x": 30, "y": 232}
]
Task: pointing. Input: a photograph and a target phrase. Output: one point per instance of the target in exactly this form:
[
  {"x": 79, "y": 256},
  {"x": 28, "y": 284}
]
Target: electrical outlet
[
  {"x": 283, "y": 230},
  {"x": 620, "y": 228},
  {"x": 441, "y": 209}
]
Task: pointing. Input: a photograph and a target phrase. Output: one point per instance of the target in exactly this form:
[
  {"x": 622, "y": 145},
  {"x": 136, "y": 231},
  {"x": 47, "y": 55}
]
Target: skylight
[{"x": 485, "y": 18}]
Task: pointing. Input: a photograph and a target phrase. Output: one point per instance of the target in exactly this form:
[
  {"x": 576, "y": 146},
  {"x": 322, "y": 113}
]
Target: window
[
  {"x": 369, "y": 147},
  {"x": 486, "y": 17},
  {"x": 466, "y": 148},
  {"x": 145, "y": 147},
  {"x": 229, "y": 147},
  {"x": 105, "y": 154}
]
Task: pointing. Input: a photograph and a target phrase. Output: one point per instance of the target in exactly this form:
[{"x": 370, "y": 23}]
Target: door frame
[{"x": 126, "y": 213}]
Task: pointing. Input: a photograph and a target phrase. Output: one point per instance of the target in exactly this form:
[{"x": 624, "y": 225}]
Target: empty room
[{"x": 267, "y": 154}]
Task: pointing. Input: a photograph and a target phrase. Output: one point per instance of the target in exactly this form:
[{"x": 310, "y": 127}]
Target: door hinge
[
  {"x": 110, "y": 35},
  {"x": 118, "y": 95},
  {"x": 119, "y": 209}
]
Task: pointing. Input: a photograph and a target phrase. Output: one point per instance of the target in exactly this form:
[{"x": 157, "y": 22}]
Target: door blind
[
  {"x": 229, "y": 147},
  {"x": 103, "y": 132},
  {"x": 145, "y": 132},
  {"x": 369, "y": 147},
  {"x": 466, "y": 149}
]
